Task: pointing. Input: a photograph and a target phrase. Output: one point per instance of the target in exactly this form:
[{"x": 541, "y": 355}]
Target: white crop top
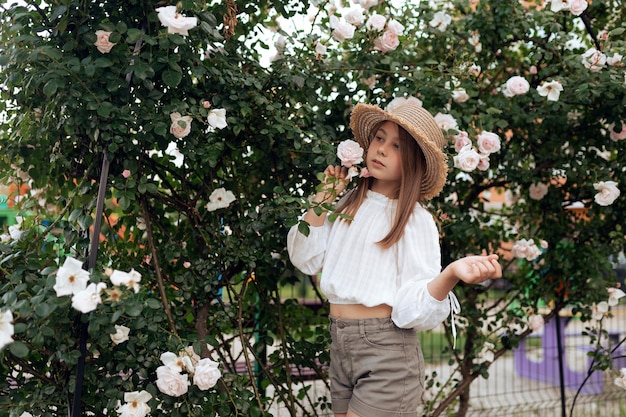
[{"x": 357, "y": 271}]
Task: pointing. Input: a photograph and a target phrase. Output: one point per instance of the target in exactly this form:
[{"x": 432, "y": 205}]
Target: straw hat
[{"x": 420, "y": 124}]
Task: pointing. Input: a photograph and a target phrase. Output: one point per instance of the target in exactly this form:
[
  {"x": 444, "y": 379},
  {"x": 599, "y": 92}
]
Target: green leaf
[
  {"x": 171, "y": 78},
  {"x": 19, "y": 349},
  {"x": 43, "y": 309},
  {"x": 50, "y": 88}
]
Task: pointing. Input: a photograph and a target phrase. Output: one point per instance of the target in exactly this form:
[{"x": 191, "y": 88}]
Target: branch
[
  {"x": 590, "y": 30},
  {"x": 157, "y": 267}
]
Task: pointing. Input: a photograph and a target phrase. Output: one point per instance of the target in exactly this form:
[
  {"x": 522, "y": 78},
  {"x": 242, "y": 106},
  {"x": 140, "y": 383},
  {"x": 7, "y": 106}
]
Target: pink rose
[
  {"x": 387, "y": 42},
  {"x": 376, "y": 22},
  {"x": 577, "y": 7},
  {"x": 607, "y": 192},
  {"x": 446, "y": 121},
  {"x": 483, "y": 162},
  {"x": 355, "y": 16},
  {"x": 349, "y": 153},
  {"x": 461, "y": 141},
  {"x": 615, "y": 136},
  {"x": 206, "y": 104},
  {"x": 517, "y": 85},
  {"x": 126, "y": 173},
  {"x": 538, "y": 191},
  {"x": 181, "y": 125},
  {"x": 533, "y": 69},
  {"x": 171, "y": 382},
  {"x": 395, "y": 27},
  {"x": 467, "y": 160},
  {"x": 526, "y": 249},
  {"x": 488, "y": 142},
  {"x": 102, "y": 41},
  {"x": 594, "y": 60},
  {"x": 536, "y": 322},
  {"x": 342, "y": 30}
]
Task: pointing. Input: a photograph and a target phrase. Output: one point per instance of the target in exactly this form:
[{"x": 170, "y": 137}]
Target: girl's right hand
[{"x": 335, "y": 179}]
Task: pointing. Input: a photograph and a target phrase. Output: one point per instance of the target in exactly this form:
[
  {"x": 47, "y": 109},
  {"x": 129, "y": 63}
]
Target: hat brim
[{"x": 365, "y": 117}]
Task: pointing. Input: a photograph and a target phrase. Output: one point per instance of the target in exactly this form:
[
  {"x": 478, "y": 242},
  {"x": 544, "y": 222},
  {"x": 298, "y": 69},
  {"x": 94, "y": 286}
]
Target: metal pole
[
  {"x": 90, "y": 264},
  {"x": 559, "y": 344}
]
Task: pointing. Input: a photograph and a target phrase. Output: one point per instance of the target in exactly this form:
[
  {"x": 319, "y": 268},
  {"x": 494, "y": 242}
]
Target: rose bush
[{"x": 201, "y": 213}]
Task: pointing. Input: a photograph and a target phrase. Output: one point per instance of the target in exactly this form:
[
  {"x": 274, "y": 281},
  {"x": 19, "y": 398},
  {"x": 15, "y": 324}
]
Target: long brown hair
[{"x": 413, "y": 165}]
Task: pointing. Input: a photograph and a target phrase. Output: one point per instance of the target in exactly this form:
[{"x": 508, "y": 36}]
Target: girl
[{"x": 381, "y": 262}]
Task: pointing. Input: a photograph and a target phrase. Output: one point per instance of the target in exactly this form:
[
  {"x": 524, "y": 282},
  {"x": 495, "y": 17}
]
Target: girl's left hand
[{"x": 477, "y": 269}]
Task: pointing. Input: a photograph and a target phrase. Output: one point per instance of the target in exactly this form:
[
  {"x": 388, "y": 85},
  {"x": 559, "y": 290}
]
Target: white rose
[
  {"x": 467, "y": 159},
  {"x": 174, "y": 21},
  {"x": 614, "y": 60},
  {"x": 171, "y": 382},
  {"x": 120, "y": 335},
  {"x": 558, "y": 5},
  {"x": 488, "y": 142},
  {"x": 220, "y": 198},
  {"x": 102, "y": 41},
  {"x": 376, "y": 22},
  {"x": 349, "y": 153},
  {"x": 320, "y": 49},
  {"x": 88, "y": 299},
  {"x": 217, "y": 118},
  {"x": 550, "y": 89},
  {"x": 607, "y": 192},
  {"x": 181, "y": 125},
  {"x": 136, "y": 404},
  {"x": 538, "y": 191},
  {"x": 441, "y": 20},
  {"x": 387, "y": 42},
  {"x": 206, "y": 374},
  {"x": 517, "y": 85}
]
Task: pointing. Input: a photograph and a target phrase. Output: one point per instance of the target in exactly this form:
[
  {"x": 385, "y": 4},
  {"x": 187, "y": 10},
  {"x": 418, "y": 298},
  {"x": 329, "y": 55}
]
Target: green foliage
[{"x": 212, "y": 279}]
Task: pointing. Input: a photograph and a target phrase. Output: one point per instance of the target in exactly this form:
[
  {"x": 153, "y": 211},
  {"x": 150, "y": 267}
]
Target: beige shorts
[{"x": 376, "y": 368}]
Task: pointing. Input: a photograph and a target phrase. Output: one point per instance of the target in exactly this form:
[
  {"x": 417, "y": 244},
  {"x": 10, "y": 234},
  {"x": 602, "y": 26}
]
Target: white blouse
[{"x": 357, "y": 271}]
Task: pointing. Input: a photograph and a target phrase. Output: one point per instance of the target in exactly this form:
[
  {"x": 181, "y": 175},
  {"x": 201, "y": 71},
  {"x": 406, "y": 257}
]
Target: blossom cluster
[
  {"x": 576, "y": 7},
  {"x": 172, "y": 379},
  {"x": 470, "y": 157},
  {"x": 599, "y": 310},
  {"x": 72, "y": 279},
  {"x": 343, "y": 26},
  {"x": 527, "y": 249}
]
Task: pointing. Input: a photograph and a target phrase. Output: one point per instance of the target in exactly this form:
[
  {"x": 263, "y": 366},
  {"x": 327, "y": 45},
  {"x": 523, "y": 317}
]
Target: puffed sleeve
[
  {"x": 419, "y": 261},
  {"x": 307, "y": 252}
]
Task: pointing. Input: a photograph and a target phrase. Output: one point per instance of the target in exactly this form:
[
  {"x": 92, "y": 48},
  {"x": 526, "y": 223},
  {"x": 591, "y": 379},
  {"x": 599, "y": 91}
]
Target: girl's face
[{"x": 384, "y": 161}]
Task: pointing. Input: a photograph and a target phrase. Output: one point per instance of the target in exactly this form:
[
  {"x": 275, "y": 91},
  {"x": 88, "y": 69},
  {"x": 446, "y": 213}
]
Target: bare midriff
[{"x": 359, "y": 311}]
